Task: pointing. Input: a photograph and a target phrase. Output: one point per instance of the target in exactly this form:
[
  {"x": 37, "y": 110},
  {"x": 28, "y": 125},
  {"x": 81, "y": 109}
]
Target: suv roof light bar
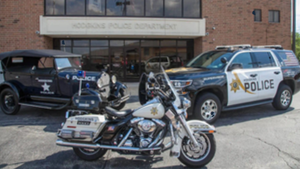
[
  {"x": 232, "y": 47},
  {"x": 268, "y": 46}
]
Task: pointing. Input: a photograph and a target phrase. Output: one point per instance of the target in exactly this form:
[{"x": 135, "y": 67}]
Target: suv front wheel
[
  {"x": 208, "y": 108},
  {"x": 283, "y": 98}
]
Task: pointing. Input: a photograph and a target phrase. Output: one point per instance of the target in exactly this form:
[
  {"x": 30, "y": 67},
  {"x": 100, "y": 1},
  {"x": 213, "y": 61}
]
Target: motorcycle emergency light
[{"x": 81, "y": 74}]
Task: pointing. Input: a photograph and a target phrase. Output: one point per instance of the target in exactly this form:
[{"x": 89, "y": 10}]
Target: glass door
[
  {"x": 117, "y": 62},
  {"x": 132, "y": 58}
]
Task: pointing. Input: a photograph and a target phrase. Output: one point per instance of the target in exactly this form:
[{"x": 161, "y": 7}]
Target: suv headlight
[
  {"x": 113, "y": 79},
  {"x": 181, "y": 83}
]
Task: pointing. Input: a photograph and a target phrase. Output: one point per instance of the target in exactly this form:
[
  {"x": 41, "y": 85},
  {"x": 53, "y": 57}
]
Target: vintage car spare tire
[{"x": 9, "y": 102}]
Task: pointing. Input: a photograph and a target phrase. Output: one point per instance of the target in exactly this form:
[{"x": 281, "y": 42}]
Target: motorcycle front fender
[{"x": 117, "y": 87}]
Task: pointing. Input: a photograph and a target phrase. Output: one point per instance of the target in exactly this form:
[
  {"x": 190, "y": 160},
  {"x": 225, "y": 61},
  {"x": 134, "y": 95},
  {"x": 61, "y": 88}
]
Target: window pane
[
  {"x": 154, "y": 7},
  {"x": 99, "y": 51},
  {"x": 181, "y": 43},
  {"x": 264, "y": 59},
  {"x": 244, "y": 59},
  {"x": 257, "y": 16},
  {"x": 191, "y": 8},
  {"x": 271, "y": 18},
  {"x": 276, "y": 16},
  {"x": 115, "y": 7},
  {"x": 149, "y": 43},
  {"x": 81, "y": 50},
  {"x": 75, "y": 7},
  {"x": 168, "y": 43},
  {"x": 55, "y": 7},
  {"x": 66, "y": 49},
  {"x": 182, "y": 56},
  {"x": 135, "y": 8},
  {"x": 95, "y": 7},
  {"x": 99, "y": 42},
  {"x": 81, "y": 42},
  {"x": 132, "y": 43},
  {"x": 173, "y": 8},
  {"x": 116, "y": 43}
]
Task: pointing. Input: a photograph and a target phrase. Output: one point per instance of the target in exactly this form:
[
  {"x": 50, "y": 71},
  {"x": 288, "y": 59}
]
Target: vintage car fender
[
  {"x": 10, "y": 85},
  {"x": 117, "y": 87}
]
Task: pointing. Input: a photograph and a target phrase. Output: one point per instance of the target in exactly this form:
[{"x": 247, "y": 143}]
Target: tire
[
  {"x": 283, "y": 98},
  {"x": 89, "y": 154},
  {"x": 9, "y": 102},
  {"x": 204, "y": 159},
  {"x": 122, "y": 105},
  {"x": 208, "y": 108}
]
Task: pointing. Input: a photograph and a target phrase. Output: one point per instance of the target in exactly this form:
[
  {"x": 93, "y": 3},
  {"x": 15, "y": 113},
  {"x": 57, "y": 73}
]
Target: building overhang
[{"x": 121, "y": 27}]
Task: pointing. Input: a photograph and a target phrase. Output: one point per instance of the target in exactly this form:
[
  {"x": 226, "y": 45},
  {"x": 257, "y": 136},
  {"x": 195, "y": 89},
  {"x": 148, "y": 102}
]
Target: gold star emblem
[
  {"x": 154, "y": 111},
  {"x": 235, "y": 85}
]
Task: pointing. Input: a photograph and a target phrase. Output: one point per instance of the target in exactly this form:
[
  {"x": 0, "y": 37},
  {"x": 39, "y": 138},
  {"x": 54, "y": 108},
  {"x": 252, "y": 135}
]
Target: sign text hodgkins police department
[{"x": 156, "y": 26}]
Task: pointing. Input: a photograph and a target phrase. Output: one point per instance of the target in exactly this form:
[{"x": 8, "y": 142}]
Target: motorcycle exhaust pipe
[{"x": 95, "y": 146}]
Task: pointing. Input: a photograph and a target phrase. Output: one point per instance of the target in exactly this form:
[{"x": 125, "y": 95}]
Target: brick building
[{"x": 136, "y": 32}]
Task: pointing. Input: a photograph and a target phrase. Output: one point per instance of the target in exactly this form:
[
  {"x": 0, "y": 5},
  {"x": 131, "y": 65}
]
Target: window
[
  {"x": 289, "y": 58},
  {"x": 257, "y": 15},
  {"x": 75, "y": 7},
  {"x": 191, "y": 8},
  {"x": 45, "y": 62},
  {"x": 154, "y": 7},
  {"x": 135, "y": 8},
  {"x": 274, "y": 16},
  {"x": 95, "y": 7},
  {"x": 244, "y": 59},
  {"x": 264, "y": 59},
  {"x": 173, "y": 8},
  {"x": 115, "y": 8},
  {"x": 55, "y": 7}
]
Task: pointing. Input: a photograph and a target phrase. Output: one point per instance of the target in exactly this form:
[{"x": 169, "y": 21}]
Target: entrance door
[{"x": 125, "y": 62}]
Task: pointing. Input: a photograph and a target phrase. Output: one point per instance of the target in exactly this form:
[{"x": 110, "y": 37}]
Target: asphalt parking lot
[{"x": 258, "y": 137}]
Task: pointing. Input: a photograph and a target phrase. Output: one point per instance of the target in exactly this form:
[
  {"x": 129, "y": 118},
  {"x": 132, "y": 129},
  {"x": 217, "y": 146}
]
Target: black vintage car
[{"x": 48, "y": 79}]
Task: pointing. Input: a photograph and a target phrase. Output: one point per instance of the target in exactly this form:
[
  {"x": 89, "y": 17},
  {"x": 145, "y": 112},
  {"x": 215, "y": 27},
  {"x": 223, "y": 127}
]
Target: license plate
[{"x": 83, "y": 123}]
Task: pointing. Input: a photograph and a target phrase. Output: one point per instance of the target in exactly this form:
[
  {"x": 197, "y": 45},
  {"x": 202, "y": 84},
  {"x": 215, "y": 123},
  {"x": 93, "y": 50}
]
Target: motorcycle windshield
[{"x": 177, "y": 101}]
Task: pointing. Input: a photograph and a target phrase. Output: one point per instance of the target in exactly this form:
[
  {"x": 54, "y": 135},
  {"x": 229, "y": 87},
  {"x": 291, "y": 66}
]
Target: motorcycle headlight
[
  {"x": 99, "y": 83},
  {"x": 181, "y": 83},
  {"x": 113, "y": 79}
]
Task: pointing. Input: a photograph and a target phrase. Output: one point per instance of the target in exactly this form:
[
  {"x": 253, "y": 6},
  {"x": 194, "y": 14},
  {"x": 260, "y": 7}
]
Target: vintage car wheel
[
  {"x": 283, "y": 98},
  {"x": 89, "y": 154},
  {"x": 207, "y": 108},
  {"x": 9, "y": 102}
]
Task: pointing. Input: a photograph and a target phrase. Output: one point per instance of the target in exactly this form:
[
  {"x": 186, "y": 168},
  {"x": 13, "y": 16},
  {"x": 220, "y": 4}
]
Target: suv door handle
[
  {"x": 277, "y": 72},
  {"x": 253, "y": 75}
]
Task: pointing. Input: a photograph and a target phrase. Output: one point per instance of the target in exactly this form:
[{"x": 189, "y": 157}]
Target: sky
[{"x": 298, "y": 16}]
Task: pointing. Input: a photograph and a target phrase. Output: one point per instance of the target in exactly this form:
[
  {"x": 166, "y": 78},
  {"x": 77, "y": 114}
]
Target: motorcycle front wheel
[
  {"x": 192, "y": 157},
  {"x": 89, "y": 154}
]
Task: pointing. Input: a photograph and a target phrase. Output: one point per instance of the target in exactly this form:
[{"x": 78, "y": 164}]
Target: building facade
[{"x": 136, "y": 36}]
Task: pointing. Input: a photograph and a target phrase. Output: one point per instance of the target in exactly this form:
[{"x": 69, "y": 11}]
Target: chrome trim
[
  {"x": 156, "y": 139},
  {"x": 125, "y": 138},
  {"x": 159, "y": 122},
  {"x": 95, "y": 146},
  {"x": 135, "y": 120},
  {"x": 172, "y": 133},
  {"x": 117, "y": 102}
]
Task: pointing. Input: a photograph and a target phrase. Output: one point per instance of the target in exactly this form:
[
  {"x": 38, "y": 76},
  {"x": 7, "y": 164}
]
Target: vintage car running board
[
  {"x": 50, "y": 99},
  {"x": 44, "y": 105},
  {"x": 247, "y": 105}
]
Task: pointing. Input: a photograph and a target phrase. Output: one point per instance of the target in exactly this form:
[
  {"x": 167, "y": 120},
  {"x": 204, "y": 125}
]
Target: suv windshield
[
  {"x": 62, "y": 63},
  {"x": 210, "y": 60}
]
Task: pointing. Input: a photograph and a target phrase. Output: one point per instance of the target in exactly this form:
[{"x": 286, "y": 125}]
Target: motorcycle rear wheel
[
  {"x": 206, "y": 154},
  {"x": 89, "y": 154}
]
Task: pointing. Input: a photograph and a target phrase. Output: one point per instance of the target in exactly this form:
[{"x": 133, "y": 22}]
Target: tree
[{"x": 297, "y": 52}]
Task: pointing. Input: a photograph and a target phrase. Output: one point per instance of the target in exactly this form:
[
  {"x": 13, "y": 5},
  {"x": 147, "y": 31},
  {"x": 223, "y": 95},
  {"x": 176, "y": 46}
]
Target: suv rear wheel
[
  {"x": 283, "y": 98},
  {"x": 9, "y": 102},
  {"x": 208, "y": 108}
]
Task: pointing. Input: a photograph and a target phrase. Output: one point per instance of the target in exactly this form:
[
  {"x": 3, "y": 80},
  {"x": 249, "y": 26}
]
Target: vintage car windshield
[
  {"x": 73, "y": 62},
  {"x": 210, "y": 60}
]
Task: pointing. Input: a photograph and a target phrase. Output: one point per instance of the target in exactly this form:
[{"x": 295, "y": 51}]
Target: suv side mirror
[
  {"x": 235, "y": 66},
  {"x": 224, "y": 60}
]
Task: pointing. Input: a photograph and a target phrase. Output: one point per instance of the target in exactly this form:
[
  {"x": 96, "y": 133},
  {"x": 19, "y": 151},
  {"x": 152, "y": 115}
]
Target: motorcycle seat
[{"x": 117, "y": 113}]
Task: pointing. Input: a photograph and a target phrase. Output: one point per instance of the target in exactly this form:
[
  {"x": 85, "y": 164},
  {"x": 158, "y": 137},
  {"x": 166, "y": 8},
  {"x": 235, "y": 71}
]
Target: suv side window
[
  {"x": 264, "y": 59},
  {"x": 245, "y": 59}
]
